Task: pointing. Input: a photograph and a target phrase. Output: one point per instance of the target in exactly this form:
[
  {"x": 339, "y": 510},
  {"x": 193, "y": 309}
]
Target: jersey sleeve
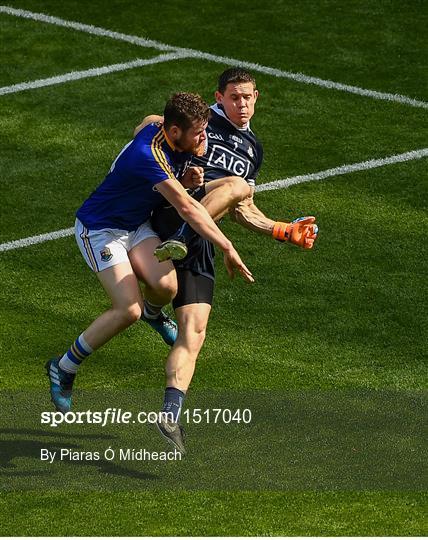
[
  {"x": 259, "y": 160},
  {"x": 154, "y": 165}
]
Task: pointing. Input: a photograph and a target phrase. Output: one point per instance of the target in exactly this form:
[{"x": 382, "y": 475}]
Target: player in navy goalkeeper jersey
[
  {"x": 118, "y": 243},
  {"x": 233, "y": 156}
]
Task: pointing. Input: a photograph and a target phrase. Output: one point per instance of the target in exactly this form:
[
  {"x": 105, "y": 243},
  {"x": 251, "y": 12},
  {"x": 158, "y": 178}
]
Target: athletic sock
[
  {"x": 75, "y": 355},
  {"x": 151, "y": 311},
  {"x": 173, "y": 401}
]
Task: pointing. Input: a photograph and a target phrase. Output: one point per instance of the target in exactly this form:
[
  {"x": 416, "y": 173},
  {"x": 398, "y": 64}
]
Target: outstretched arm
[
  {"x": 302, "y": 231},
  {"x": 247, "y": 214}
]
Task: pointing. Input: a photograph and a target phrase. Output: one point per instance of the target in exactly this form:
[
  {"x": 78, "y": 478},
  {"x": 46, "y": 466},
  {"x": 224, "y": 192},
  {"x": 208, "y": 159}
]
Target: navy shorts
[{"x": 193, "y": 288}]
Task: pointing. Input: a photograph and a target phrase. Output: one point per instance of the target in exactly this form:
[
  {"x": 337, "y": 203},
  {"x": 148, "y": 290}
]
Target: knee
[
  {"x": 129, "y": 314},
  {"x": 198, "y": 339},
  {"x": 166, "y": 287},
  {"x": 239, "y": 189},
  {"x": 194, "y": 340}
]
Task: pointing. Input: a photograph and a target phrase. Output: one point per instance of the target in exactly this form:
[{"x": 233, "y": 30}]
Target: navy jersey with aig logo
[
  {"x": 231, "y": 151},
  {"x": 128, "y": 195}
]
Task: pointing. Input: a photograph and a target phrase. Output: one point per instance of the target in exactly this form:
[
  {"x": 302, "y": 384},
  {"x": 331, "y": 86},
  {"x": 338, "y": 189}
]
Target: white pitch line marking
[
  {"x": 192, "y": 53},
  {"x": 88, "y": 28},
  {"x": 306, "y": 79},
  {"x": 93, "y": 72},
  {"x": 277, "y": 184},
  {"x": 344, "y": 169},
  {"x": 38, "y": 239}
]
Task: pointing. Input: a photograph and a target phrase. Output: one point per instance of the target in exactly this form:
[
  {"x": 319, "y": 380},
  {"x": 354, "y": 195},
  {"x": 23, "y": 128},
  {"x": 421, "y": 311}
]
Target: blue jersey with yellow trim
[{"x": 127, "y": 196}]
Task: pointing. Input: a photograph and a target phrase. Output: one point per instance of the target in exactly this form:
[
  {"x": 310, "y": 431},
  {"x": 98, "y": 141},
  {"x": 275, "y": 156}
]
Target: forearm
[
  {"x": 198, "y": 218},
  {"x": 301, "y": 231},
  {"x": 250, "y": 217}
]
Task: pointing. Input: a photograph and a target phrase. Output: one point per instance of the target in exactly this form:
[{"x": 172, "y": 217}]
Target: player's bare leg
[
  {"x": 223, "y": 194},
  {"x": 160, "y": 279},
  {"x": 160, "y": 287},
  {"x": 121, "y": 285},
  {"x": 180, "y": 366}
]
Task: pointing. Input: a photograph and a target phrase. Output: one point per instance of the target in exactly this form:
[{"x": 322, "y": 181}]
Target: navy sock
[
  {"x": 173, "y": 401},
  {"x": 151, "y": 311}
]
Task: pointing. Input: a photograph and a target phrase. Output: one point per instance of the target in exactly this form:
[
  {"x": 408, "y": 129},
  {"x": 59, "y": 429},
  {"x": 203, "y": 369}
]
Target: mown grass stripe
[
  {"x": 276, "y": 184},
  {"x": 344, "y": 169},
  {"x": 93, "y": 72},
  {"x": 192, "y": 53}
]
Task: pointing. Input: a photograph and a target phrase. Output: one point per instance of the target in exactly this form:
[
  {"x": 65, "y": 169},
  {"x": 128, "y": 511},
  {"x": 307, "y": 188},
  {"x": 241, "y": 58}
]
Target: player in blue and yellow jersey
[{"x": 118, "y": 243}]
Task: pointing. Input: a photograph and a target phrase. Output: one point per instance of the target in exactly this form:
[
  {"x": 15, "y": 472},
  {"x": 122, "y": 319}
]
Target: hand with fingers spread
[
  {"x": 302, "y": 231},
  {"x": 233, "y": 262}
]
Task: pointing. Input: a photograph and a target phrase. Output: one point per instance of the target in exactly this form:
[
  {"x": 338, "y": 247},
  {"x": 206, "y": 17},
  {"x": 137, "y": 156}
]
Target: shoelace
[{"x": 167, "y": 321}]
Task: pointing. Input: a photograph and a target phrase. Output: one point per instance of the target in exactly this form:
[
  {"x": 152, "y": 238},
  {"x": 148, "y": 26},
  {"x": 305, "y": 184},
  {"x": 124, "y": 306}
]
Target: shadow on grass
[{"x": 11, "y": 449}]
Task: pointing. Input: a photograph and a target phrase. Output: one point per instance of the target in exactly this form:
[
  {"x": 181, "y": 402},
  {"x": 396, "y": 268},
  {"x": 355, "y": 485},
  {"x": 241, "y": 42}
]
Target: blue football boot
[
  {"x": 165, "y": 326},
  {"x": 61, "y": 384}
]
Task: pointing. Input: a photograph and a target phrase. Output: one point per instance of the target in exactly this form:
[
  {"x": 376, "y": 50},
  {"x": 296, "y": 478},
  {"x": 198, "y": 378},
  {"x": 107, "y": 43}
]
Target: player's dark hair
[
  {"x": 234, "y": 75},
  {"x": 183, "y": 109}
]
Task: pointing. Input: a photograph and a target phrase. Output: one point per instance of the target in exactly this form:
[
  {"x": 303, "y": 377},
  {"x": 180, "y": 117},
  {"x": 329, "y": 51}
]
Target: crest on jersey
[
  {"x": 236, "y": 139},
  {"x": 250, "y": 151},
  {"x": 106, "y": 254}
]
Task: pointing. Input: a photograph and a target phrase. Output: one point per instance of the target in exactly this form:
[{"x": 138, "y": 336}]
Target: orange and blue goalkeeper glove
[{"x": 302, "y": 231}]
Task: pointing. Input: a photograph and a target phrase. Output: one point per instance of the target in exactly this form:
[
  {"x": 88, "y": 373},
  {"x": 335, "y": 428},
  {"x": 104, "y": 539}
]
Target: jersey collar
[{"x": 221, "y": 112}]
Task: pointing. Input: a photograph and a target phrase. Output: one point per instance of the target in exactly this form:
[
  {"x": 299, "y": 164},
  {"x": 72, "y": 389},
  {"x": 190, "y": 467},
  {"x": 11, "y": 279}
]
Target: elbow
[{"x": 186, "y": 209}]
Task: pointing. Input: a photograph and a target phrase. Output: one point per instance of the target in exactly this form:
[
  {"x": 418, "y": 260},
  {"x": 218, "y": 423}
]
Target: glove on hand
[{"x": 302, "y": 231}]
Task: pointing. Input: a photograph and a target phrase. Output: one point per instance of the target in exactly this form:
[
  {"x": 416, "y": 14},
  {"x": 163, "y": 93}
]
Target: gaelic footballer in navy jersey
[{"x": 233, "y": 156}]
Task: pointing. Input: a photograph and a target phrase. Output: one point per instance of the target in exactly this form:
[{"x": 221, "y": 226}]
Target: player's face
[
  {"x": 238, "y": 102},
  {"x": 193, "y": 138}
]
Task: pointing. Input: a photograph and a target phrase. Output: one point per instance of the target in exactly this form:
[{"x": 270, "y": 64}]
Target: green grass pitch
[{"x": 341, "y": 329}]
